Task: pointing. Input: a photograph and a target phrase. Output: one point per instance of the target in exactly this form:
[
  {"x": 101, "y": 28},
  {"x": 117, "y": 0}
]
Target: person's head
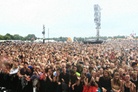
[
  {"x": 93, "y": 73},
  {"x": 15, "y": 64},
  {"x": 101, "y": 70},
  {"x": 106, "y": 74},
  {"x": 85, "y": 69},
  {"x": 72, "y": 72},
  {"x": 64, "y": 69},
  {"x": 58, "y": 71},
  {"x": 134, "y": 74},
  {"x": 83, "y": 75},
  {"x": 134, "y": 65},
  {"x": 127, "y": 77},
  {"x": 50, "y": 71},
  {"x": 63, "y": 64},
  {"x": 25, "y": 65},
  {"x": 121, "y": 71},
  {"x": 37, "y": 68},
  {"x": 116, "y": 75},
  {"x": 112, "y": 65},
  {"x": 30, "y": 70}
]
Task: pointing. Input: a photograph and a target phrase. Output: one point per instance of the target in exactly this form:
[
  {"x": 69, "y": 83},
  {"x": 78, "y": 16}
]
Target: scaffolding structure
[{"x": 97, "y": 19}]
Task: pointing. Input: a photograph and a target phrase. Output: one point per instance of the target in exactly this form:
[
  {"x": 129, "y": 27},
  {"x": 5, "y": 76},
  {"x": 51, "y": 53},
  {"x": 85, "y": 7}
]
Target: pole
[
  {"x": 97, "y": 34},
  {"x": 48, "y": 34},
  {"x": 43, "y": 33}
]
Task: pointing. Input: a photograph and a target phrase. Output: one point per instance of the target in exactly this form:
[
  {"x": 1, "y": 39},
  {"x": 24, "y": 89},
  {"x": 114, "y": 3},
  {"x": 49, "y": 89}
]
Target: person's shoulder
[
  {"x": 132, "y": 84},
  {"x": 21, "y": 69},
  {"x": 101, "y": 78},
  {"x": 122, "y": 82},
  {"x": 61, "y": 74}
]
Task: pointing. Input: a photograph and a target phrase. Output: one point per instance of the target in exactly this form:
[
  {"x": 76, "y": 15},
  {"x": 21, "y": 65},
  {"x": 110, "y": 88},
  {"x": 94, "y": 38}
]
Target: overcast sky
[{"x": 68, "y": 18}]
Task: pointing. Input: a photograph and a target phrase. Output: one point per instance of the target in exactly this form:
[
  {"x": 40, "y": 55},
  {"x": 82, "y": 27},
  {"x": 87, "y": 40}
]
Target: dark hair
[
  {"x": 25, "y": 63},
  {"x": 109, "y": 74},
  {"x": 133, "y": 64},
  {"x": 72, "y": 72}
]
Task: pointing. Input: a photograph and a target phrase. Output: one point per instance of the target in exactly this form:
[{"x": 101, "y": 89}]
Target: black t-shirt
[
  {"x": 24, "y": 71},
  {"x": 65, "y": 77},
  {"x": 73, "y": 79},
  {"x": 28, "y": 87},
  {"x": 50, "y": 85},
  {"x": 106, "y": 83},
  {"x": 78, "y": 88}
]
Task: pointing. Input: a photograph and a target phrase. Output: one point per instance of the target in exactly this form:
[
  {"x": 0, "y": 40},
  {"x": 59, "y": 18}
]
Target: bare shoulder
[
  {"x": 122, "y": 82},
  {"x": 132, "y": 84}
]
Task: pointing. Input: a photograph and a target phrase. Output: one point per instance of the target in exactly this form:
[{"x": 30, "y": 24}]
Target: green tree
[
  {"x": 1, "y": 37},
  {"x": 17, "y": 37},
  {"x": 8, "y": 37},
  {"x": 30, "y": 37}
]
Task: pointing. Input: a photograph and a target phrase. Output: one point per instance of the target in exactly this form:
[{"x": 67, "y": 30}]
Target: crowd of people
[{"x": 69, "y": 67}]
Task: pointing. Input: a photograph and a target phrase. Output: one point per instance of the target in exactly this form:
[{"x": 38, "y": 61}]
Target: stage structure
[{"x": 97, "y": 19}]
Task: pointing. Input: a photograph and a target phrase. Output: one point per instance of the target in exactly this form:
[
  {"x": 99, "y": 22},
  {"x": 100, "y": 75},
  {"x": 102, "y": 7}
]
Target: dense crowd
[{"x": 69, "y": 67}]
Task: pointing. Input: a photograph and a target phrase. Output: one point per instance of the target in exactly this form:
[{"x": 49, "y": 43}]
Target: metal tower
[{"x": 97, "y": 19}]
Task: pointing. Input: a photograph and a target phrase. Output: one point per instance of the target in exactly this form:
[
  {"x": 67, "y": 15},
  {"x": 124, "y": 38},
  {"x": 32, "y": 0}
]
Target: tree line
[
  {"x": 32, "y": 37},
  {"x": 17, "y": 37}
]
